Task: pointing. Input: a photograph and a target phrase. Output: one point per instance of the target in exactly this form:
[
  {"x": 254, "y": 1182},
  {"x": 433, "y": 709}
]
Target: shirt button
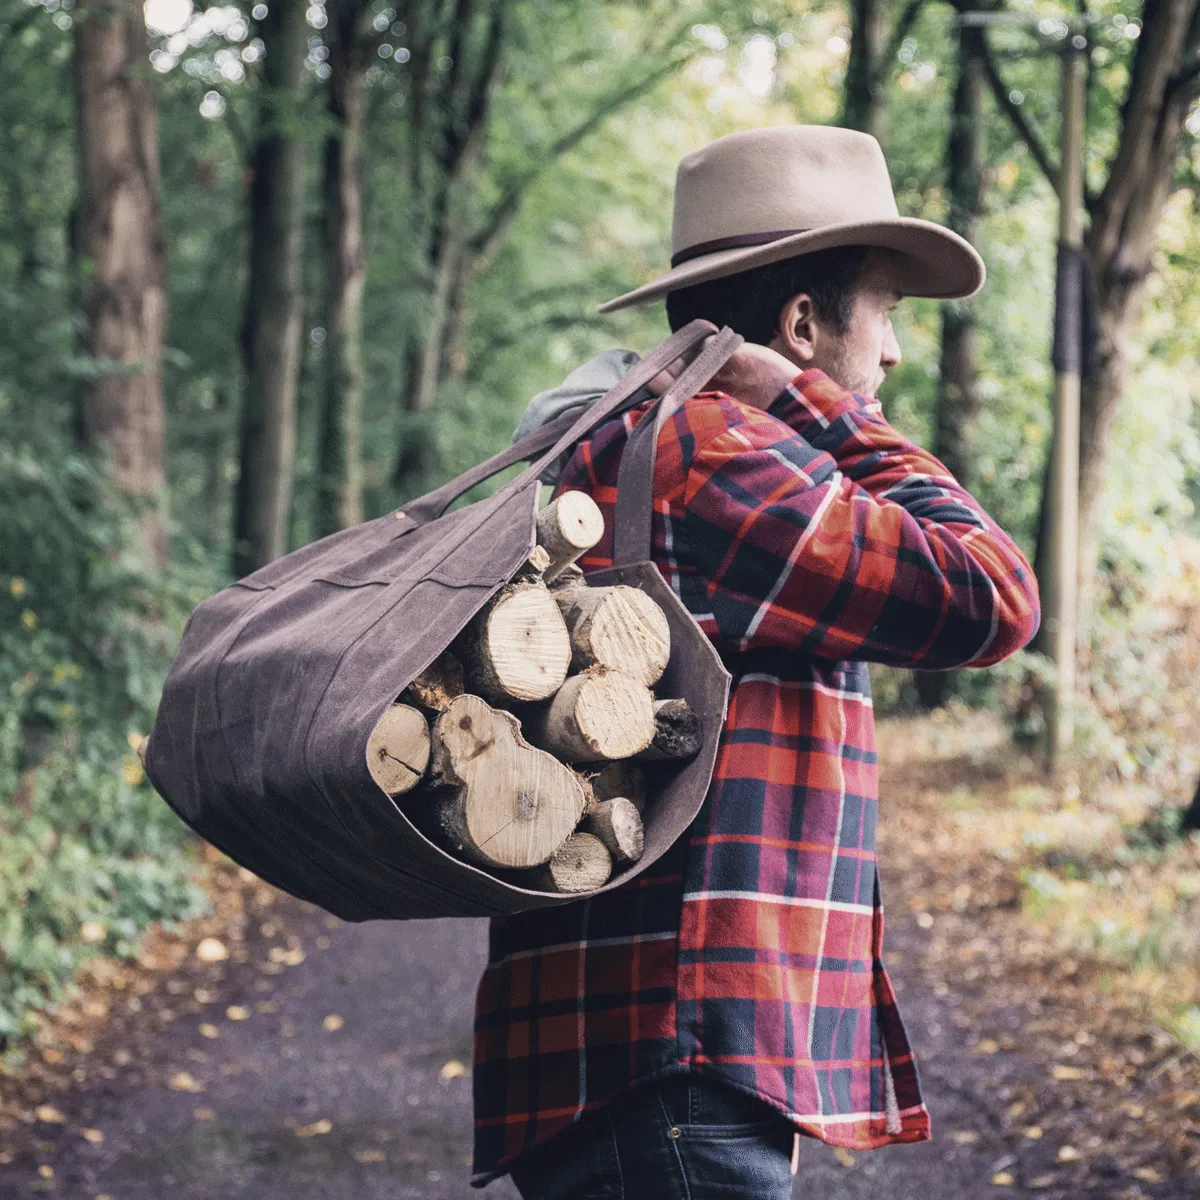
[{"x": 675, "y": 1131}]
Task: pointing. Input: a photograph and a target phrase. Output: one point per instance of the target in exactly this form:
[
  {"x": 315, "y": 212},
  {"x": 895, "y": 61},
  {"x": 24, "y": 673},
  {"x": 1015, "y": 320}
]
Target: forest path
[{"x": 243, "y": 1114}]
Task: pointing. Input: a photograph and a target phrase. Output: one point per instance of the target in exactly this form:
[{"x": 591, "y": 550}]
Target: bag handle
[
  {"x": 559, "y": 435},
  {"x": 634, "y": 513}
]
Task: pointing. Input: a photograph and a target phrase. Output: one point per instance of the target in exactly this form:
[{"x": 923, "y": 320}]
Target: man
[{"x": 675, "y": 1037}]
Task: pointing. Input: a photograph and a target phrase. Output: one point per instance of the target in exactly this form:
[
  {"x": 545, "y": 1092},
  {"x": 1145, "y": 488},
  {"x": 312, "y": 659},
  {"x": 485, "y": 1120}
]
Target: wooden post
[{"x": 1060, "y": 585}]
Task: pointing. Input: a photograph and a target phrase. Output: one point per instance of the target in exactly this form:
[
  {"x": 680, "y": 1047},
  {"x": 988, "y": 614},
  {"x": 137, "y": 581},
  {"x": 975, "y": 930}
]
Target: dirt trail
[{"x": 397, "y": 1125}]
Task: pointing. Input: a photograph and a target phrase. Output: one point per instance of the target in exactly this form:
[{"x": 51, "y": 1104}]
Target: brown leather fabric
[{"x": 260, "y": 739}]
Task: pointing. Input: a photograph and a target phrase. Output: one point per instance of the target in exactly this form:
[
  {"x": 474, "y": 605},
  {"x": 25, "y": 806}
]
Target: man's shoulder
[{"x": 710, "y": 415}]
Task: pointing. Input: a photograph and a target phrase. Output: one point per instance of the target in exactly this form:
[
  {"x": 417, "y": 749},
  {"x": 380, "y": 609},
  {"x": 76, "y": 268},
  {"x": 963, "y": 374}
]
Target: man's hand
[{"x": 754, "y": 375}]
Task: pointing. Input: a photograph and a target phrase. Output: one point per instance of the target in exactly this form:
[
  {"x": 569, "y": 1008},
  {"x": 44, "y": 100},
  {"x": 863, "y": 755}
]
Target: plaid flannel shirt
[{"x": 806, "y": 540}]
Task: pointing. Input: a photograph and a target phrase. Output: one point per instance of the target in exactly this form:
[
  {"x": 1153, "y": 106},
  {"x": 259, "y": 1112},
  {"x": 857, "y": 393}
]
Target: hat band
[{"x": 735, "y": 242}]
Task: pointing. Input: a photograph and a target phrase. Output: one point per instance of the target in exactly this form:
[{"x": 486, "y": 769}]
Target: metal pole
[{"x": 1062, "y": 559}]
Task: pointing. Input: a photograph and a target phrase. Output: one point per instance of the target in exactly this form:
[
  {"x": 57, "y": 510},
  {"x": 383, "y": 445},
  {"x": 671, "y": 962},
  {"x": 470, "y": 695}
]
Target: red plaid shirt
[{"x": 806, "y": 541}]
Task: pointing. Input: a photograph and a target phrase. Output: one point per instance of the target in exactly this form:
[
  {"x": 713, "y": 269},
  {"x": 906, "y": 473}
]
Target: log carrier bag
[{"x": 260, "y": 739}]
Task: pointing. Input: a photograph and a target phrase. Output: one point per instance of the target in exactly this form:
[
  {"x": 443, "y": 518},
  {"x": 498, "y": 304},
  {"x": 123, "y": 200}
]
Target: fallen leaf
[
  {"x": 287, "y": 958},
  {"x": 925, "y": 920},
  {"x": 51, "y": 1055},
  {"x": 1003, "y": 1179},
  {"x": 453, "y": 1070},
  {"x": 333, "y": 1023},
  {"x": 1041, "y": 1183},
  {"x": 986, "y": 1046},
  {"x": 1061, "y": 1072},
  {"x": 1147, "y": 1175},
  {"x": 93, "y": 931},
  {"x": 46, "y": 1172},
  {"x": 964, "y": 1137},
  {"x": 92, "y": 1135},
  {"x": 181, "y": 1081},
  {"x": 843, "y": 1156},
  {"x": 315, "y": 1129},
  {"x": 204, "y": 1114},
  {"x": 209, "y": 1031},
  {"x": 1032, "y": 1132},
  {"x": 1068, "y": 1154},
  {"x": 238, "y": 1012},
  {"x": 287, "y": 1029},
  {"x": 370, "y": 1156},
  {"x": 211, "y": 951},
  {"x": 49, "y": 1114}
]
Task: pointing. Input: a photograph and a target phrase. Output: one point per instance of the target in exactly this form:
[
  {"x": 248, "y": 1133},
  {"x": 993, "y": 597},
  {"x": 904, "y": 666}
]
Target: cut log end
[
  {"x": 581, "y": 864},
  {"x": 518, "y": 648},
  {"x": 618, "y": 824},
  {"x": 597, "y": 715},
  {"x": 503, "y": 803},
  {"x": 398, "y": 749},
  {"x": 567, "y": 527},
  {"x": 617, "y": 627},
  {"x": 439, "y": 684},
  {"x": 677, "y": 731}
]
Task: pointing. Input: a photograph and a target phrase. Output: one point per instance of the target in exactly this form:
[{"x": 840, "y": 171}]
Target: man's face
[{"x": 860, "y": 357}]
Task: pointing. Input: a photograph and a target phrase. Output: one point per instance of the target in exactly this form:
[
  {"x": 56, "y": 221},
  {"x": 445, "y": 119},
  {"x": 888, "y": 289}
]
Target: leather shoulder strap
[{"x": 633, "y": 517}]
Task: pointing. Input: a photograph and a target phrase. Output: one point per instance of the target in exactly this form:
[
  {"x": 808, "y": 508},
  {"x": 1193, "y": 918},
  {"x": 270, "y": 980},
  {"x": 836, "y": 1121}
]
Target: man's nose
[{"x": 890, "y": 354}]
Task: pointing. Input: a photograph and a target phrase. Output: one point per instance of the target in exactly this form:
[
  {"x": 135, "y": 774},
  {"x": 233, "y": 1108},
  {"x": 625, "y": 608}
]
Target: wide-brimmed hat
[{"x": 756, "y": 197}]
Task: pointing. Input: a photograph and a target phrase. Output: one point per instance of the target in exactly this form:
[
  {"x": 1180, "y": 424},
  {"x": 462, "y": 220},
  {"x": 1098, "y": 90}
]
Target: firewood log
[
  {"x": 499, "y": 801},
  {"x": 581, "y": 864},
  {"x": 677, "y": 732},
  {"x": 517, "y": 648},
  {"x": 618, "y": 627},
  {"x": 398, "y": 749},
  {"x": 624, "y": 779},
  {"x": 438, "y": 684},
  {"x": 600, "y": 714},
  {"x": 566, "y": 528},
  {"x": 618, "y": 825}
]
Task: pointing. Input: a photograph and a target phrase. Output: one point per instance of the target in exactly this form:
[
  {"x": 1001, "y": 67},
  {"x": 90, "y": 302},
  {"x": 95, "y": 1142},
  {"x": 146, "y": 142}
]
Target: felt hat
[{"x": 763, "y": 195}]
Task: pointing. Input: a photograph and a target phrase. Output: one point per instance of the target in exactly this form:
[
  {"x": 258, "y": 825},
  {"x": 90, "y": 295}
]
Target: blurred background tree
[{"x": 367, "y": 231}]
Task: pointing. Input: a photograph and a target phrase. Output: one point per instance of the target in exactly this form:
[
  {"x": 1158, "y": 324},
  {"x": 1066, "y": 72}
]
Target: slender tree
[
  {"x": 339, "y": 450},
  {"x": 874, "y": 42},
  {"x": 958, "y": 393},
  {"x": 1164, "y": 80},
  {"x": 121, "y": 244},
  {"x": 274, "y": 302}
]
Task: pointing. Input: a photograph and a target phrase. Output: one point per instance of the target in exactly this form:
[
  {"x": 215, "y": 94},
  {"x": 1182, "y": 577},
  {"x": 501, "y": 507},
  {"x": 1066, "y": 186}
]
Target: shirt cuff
[{"x": 812, "y": 402}]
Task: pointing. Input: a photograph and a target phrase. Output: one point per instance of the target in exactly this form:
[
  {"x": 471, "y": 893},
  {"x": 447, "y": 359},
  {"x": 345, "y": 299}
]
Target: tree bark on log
[
  {"x": 501, "y": 802},
  {"x": 597, "y": 715},
  {"x": 398, "y": 749},
  {"x": 274, "y": 305},
  {"x": 439, "y": 684},
  {"x": 121, "y": 412},
  {"x": 622, "y": 778},
  {"x": 677, "y": 732},
  {"x": 339, "y": 466}
]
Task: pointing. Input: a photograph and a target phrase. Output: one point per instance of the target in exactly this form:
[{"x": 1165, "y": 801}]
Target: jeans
[{"x": 685, "y": 1138}]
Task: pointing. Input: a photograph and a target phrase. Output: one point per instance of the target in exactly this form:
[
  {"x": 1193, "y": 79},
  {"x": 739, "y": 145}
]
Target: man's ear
[{"x": 794, "y": 333}]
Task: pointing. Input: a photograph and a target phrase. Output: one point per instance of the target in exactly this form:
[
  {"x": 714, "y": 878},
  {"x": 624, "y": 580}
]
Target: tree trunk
[
  {"x": 1120, "y": 244},
  {"x": 862, "y": 99},
  {"x": 958, "y": 394},
  {"x": 121, "y": 413},
  {"x": 339, "y": 466},
  {"x": 274, "y": 304}
]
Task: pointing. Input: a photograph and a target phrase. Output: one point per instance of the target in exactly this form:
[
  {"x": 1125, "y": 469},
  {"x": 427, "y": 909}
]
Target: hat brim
[{"x": 935, "y": 262}]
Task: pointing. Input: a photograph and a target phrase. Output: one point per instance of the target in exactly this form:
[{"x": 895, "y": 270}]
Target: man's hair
[{"x": 750, "y": 301}]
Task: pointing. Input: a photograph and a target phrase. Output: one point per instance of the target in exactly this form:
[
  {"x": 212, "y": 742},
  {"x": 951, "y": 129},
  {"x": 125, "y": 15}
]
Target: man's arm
[{"x": 837, "y": 537}]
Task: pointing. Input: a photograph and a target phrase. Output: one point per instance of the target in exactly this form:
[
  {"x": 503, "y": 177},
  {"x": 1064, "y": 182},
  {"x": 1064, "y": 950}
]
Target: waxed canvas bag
[{"x": 260, "y": 739}]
